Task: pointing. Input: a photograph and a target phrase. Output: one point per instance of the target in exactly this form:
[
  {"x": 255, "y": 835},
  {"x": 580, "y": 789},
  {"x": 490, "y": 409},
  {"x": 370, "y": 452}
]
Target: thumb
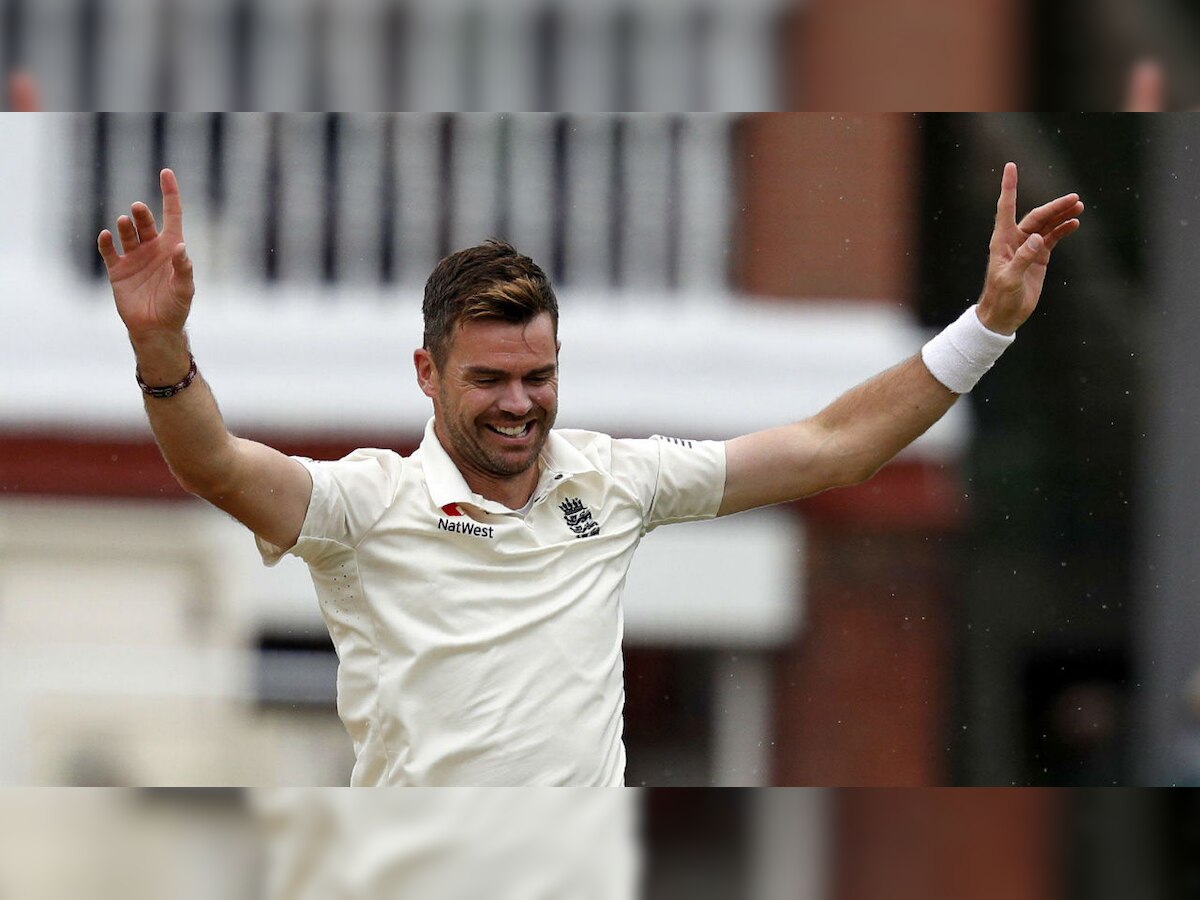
[{"x": 1027, "y": 254}]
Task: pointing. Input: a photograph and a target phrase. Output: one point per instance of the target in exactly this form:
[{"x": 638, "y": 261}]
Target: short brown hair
[{"x": 490, "y": 281}]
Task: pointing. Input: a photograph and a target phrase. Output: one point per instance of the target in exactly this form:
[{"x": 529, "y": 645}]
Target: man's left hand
[{"x": 1018, "y": 254}]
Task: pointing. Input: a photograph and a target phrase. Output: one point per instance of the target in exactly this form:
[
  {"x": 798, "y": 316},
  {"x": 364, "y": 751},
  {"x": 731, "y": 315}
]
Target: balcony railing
[
  {"x": 602, "y": 201},
  {"x": 648, "y": 55}
]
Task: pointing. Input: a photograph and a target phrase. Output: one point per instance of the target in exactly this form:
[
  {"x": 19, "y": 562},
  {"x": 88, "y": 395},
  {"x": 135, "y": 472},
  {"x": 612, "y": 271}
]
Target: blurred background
[
  {"x": 596, "y": 55},
  {"x": 1009, "y": 602},
  {"x": 658, "y": 844}
]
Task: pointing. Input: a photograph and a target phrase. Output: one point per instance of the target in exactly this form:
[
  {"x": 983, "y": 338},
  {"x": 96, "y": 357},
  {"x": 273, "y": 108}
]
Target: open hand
[
  {"x": 152, "y": 278},
  {"x": 1019, "y": 252}
]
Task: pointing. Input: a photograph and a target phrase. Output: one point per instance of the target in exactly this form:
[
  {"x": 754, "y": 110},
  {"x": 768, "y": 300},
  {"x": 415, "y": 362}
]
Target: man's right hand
[
  {"x": 152, "y": 284},
  {"x": 152, "y": 278}
]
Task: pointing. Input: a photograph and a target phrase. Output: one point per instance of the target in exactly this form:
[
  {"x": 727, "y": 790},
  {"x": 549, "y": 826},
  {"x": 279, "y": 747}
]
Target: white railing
[
  {"x": 397, "y": 54},
  {"x": 603, "y": 201}
]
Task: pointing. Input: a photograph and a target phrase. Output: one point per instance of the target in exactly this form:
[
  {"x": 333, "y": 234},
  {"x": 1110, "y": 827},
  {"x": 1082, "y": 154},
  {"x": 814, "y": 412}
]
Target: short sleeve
[
  {"x": 690, "y": 482},
  {"x": 349, "y": 496}
]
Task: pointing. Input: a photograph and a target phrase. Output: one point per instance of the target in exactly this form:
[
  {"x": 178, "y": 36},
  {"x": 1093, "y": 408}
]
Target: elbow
[
  {"x": 196, "y": 485},
  {"x": 849, "y": 464},
  {"x": 864, "y": 473},
  {"x": 209, "y": 477},
  {"x": 208, "y": 484},
  {"x": 850, "y": 475}
]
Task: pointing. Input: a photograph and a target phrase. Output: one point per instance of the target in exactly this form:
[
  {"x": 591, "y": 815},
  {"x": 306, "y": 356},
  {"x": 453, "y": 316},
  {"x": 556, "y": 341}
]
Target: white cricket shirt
[
  {"x": 478, "y": 646},
  {"x": 449, "y": 844}
]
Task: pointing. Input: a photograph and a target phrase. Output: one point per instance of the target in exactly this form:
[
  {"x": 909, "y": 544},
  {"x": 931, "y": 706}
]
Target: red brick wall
[
  {"x": 948, "y": 844},
  {"x": 916, "y": 55}
]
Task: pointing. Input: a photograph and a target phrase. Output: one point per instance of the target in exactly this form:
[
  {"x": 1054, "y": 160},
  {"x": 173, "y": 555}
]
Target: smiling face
[{"x": 495, "y": 398}]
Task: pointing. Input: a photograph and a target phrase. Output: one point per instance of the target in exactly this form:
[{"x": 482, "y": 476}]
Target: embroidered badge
[{"x": 579, "y": 518}]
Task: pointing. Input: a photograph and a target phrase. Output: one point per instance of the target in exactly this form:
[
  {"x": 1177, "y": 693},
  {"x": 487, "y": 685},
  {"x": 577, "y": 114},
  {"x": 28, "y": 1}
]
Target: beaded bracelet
[{"x": 170, "y": 390}]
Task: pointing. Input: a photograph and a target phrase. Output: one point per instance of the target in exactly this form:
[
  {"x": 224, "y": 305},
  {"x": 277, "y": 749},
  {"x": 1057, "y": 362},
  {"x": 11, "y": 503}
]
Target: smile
[{"x": 514, "y": 431}]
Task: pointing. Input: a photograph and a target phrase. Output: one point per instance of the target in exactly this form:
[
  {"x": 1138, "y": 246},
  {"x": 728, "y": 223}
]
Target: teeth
[{"x": 515, "y": 431}]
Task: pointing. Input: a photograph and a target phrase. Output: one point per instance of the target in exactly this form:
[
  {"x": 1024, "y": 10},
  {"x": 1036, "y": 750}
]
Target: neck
[{"x": 512, "y": 491}]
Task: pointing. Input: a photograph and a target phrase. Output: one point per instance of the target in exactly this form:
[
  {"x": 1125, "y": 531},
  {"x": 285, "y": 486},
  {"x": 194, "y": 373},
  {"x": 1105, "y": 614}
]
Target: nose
[{"x": 515, "y": 399}]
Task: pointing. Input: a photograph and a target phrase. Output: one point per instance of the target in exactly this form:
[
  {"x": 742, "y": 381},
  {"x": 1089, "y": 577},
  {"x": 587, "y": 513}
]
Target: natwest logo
[{"x": 466, "y": 526}]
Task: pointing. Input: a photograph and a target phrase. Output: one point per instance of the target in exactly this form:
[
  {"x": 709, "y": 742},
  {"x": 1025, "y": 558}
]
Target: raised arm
[
  {"x": 850, "y": 439},
  {"x": 153, "y": 287}
]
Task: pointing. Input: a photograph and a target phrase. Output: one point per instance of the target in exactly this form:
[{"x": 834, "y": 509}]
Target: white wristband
[{"x": 960, "y": 354}]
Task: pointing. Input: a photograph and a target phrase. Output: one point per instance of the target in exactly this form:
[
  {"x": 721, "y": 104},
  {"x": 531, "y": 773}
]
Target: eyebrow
[{"x": 484, "y": 370}]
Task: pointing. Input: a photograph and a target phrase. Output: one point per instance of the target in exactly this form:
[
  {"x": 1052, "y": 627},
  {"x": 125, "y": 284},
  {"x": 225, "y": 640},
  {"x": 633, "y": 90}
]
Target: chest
[{"x": 462, "y": 575}]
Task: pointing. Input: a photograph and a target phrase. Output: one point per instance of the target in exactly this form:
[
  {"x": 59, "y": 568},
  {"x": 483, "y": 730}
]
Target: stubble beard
[{"x": 468, "y": 443}]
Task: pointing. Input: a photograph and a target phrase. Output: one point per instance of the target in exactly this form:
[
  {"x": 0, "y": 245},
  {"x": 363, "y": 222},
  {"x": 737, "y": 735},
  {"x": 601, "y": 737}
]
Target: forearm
[
  {"x": 187, "y": 426},
  {"x": 843, "y": 444},
  {"x": 860, "y": 431},
  {"x": 872, "y": 422}
]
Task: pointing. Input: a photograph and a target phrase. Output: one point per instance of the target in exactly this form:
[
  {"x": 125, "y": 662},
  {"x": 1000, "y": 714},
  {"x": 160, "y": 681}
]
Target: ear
[{"x": 427, "y": 373}]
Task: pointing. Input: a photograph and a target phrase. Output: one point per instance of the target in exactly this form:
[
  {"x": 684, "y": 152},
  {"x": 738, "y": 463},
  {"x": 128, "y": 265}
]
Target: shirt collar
[{"x": 558, "y": 462}]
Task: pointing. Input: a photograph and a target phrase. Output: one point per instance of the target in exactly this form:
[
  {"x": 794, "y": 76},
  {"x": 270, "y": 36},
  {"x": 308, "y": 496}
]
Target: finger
[
  {"x": 108, "y": 250},
  {"x": 1066, "y": 228},
  {"x": 143, "y": 220},
  {"x": 172, "y": 202},
  {"x": 1145, "y": 90},
  {"x": 1072, "y": 212},
  {"x": 1006, "y": 206},
  {"x": 1049, "y": 214},
  {"x": 127, "y": 233}
]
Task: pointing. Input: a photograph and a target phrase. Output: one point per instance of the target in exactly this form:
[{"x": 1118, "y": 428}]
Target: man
[{"x": 472, "y": 590}]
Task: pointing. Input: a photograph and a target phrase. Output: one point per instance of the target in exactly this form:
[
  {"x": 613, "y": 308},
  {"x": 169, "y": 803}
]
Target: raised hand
[
  {"x": 152, "y": 278},
  {"x": 1019, "y": 252}
]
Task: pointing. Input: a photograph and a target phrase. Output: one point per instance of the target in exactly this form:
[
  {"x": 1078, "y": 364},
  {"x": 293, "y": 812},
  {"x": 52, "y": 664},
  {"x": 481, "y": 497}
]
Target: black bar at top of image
[
  {"x": 87, "y": 52},
  {"x": 700, "y": 26},
  {"x": 99, "y": 187},
  {"x": 674, "y": 200},
  {"x": 166, "y": 71},
  {"x": 547, "y": 36},
  {"x": 618, "y": 214},
  {"x": 445, "y": 219},
  {"x": 392, "y": 32},
  {"x": 159, "y": 122},
  {"x": 216, "y": 162},
  {"x": 12, "y": 33},
  {"x": 273, "y": 183},
  {"x": 332, "y": 190},
  {"x": 471, "y": 33},
  {"x": 389, "y": 197},
  {"x": 504, "y": 198},
  {"x": 319, "y": 76},
  {"x": 242, "y": 23},
  {"x": 624, "y": 28},
  {"x": 560, "y": 202}
]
